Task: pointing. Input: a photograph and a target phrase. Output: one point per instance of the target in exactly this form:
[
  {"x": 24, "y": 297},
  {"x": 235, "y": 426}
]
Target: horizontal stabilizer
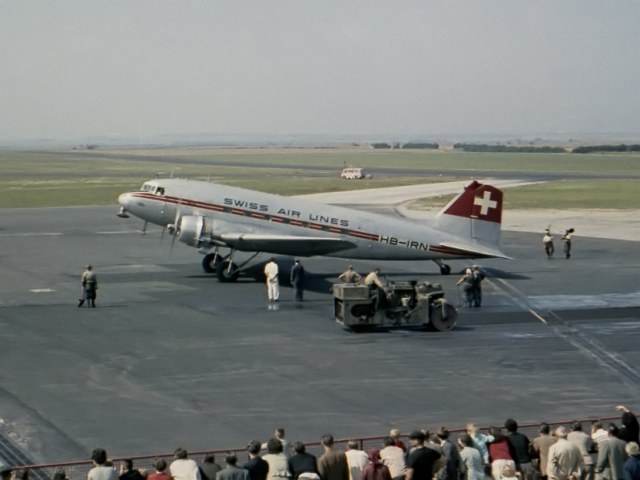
[
  {"x": 475, "y": 250},
  {"x": 285, "y": 244}
]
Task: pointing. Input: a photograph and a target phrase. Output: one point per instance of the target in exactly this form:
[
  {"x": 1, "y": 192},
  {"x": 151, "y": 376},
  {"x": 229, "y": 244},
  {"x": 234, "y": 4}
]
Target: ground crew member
[
  {"x": 467, "y": 286},
  {"x": 271, "y": 277},
  {"x": 376, "y": 286},
  {"x": 89, "y": 287},
  {"x": 349, "y": 275},
  {"x": 547, "y": 241},
  {"x": 478, "y": 277},
  {"x": 297, "y": 279},
  {"x": 567, "y": 242}
]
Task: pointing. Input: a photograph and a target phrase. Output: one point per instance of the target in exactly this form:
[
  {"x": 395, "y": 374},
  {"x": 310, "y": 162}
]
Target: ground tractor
[{"x": 407, "y": 304}]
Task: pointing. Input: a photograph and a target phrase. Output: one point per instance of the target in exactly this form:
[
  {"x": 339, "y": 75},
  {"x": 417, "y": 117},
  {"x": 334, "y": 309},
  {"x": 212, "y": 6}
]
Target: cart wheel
[{"x": 443, "y": 317}]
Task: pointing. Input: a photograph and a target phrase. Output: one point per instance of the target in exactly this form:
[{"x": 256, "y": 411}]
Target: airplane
[{"x": 211, "y": 217}]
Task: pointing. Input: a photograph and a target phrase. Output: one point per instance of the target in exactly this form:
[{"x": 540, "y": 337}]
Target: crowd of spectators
[{"x": 567, "y": 453}]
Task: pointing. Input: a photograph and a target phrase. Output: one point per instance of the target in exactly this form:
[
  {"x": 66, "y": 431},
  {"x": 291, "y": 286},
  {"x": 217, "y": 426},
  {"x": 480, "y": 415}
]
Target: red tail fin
[{"x": 482, "y": 202}]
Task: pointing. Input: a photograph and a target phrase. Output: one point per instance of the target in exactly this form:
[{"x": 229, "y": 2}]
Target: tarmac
[{"x": 171, "y": 357}]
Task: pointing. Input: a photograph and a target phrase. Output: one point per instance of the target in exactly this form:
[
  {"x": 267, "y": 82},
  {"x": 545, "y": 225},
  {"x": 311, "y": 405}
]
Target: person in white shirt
[
  {"x": 183, "y": 468},
  {"x": 271, "y": 277},
  {"x": 356, "y": 459}
]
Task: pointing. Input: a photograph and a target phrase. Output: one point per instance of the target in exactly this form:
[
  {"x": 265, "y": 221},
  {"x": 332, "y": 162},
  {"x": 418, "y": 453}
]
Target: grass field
[{"x": 96, "y": 177}]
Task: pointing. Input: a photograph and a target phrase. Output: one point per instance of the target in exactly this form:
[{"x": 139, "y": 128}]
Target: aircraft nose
[{"x": 124, "y": 200}]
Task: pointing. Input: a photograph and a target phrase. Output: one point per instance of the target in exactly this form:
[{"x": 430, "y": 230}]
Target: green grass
[
  {"x": 569, "y": 194},
  {"x": 74, "y": 177}
]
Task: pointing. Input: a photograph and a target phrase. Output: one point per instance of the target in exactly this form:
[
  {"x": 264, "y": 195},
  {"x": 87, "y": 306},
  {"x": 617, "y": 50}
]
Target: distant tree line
[
  {"x": 483, "y": 147},
  {"x": 606, "y": 148},
  {"x": 415, "y": 145}
]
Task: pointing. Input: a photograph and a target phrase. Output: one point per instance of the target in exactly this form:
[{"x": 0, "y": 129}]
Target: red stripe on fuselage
[{"x": 282, "y": 220}]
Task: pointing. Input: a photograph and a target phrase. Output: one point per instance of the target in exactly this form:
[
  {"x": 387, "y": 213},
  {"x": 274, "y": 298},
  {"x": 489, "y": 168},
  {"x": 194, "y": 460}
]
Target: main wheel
[
  {"x": 443, "y": 317},
  {"x": 210, "y": 262},
  {"x": 227, "y": 271},
  {"x": 445, "y": 269}
]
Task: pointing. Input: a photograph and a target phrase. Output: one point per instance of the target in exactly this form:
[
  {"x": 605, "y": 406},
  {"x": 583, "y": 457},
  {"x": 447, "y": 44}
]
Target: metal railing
[{"x": 78, "y": 470}]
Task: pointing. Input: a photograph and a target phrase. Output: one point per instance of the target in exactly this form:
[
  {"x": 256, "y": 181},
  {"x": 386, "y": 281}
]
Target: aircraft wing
[
  {"x": 475, "y": 250},
  {"x": 285, "y": 244}
]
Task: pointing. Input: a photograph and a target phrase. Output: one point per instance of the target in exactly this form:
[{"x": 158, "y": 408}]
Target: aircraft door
[{"x": 365, "y": 226}]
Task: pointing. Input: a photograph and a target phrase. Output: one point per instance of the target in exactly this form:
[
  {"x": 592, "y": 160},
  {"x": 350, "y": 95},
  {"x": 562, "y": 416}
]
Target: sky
[{"x": 422, "y": 68}]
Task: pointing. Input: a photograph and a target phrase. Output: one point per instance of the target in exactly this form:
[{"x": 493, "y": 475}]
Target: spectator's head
[
  {"x": 613, "y": 430},
  {"x": 417, "y": 437},
  {"x": 5, "y": 473},
  {"x": 352, "y": 445},
  {"x": 496, "y": 433},
  {"x": 632, "y": 449},
  {"x": 327, "y": 440},
  {"x": 544, "y": 428},
  {"x": 274, "y": 446},
  {"x": 160, "y": 465},
  {"x": 561, "y": 432},
  {"x": 511, "y": 425},
  {"x": 374, "y": 455},
  {"x": 60, "y": 475},
  {"x": 230, "y": 458},
  {"x": 299, "y": 447},
  {"x": 254, "y": 447},
  {"x": 472, "y": 429},
  {"x": 99, "y": 456},
  {"x": 465, "y": 440},
  {"x": 180, "y": 453},
  {"x": 388, "y": 441},
  {"x": 279, "y": 433},
  {"x": 209, "y": 458},
  {"x": 508, "y": 471},
  {"x": 128, "y": 464},
  {"x": 394, "y": 433},
  {"x": 442, "y": 433},
  {"x": 596, "y": 425},
  {"x": 576, "y": 426}
]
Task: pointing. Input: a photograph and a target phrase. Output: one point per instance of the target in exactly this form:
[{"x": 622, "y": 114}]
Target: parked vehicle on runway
[
  {"x": 213, "y": 217},
  {"x": 405, "y": 304}
]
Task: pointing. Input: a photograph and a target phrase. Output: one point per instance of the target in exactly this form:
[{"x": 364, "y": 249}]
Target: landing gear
[
  {"x": 444, "y": 268},
  {"x": 227, "y": 271},
  {"x": 210, "y": 262}
]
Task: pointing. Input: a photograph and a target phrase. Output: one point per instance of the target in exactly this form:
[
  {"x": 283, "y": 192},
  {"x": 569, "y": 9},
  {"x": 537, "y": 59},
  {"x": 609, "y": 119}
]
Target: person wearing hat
[
  {"x": 547, "y": 241},
  {"x": 89, "y": 287},
  {"x": 297, "y": 279},
  {"x": 632, "y": 465},
  {"x": 422, "y": 461}
]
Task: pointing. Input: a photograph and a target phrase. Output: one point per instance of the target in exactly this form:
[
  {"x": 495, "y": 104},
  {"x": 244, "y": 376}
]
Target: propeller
[{"x": 174, "y": 229}]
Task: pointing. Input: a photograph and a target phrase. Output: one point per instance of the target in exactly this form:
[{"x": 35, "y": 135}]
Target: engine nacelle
[{"x": 196, "y": 231}]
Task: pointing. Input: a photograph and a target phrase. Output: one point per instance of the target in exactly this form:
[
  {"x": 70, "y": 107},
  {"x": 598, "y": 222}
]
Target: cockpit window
[{"x": 152, "y": 188}]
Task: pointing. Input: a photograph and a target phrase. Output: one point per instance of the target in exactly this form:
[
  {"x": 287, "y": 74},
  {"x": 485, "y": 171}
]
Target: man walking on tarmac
[{"x": 547, "y": 241}]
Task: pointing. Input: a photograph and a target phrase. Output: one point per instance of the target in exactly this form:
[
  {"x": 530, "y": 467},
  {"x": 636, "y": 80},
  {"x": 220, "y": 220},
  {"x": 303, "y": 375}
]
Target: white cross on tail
[{"x": 485, "y": 202}]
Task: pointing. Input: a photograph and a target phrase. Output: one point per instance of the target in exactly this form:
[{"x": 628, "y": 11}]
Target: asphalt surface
[{"x": 171, "y": 357}]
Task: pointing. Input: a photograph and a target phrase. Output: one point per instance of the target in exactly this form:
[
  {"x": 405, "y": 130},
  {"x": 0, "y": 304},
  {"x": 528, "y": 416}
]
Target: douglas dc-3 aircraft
[{"x": 211, "y": 216}]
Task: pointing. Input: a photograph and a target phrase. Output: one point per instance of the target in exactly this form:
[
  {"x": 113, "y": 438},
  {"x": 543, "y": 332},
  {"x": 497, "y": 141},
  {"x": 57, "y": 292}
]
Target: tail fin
[{"x": 474, "y": 217}]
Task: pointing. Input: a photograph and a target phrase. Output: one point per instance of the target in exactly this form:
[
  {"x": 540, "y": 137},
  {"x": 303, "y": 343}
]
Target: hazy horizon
[{"x": 413, "y": 70}]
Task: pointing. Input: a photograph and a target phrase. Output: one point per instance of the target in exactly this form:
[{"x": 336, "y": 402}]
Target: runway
[{"x": 171, "y": 357}]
